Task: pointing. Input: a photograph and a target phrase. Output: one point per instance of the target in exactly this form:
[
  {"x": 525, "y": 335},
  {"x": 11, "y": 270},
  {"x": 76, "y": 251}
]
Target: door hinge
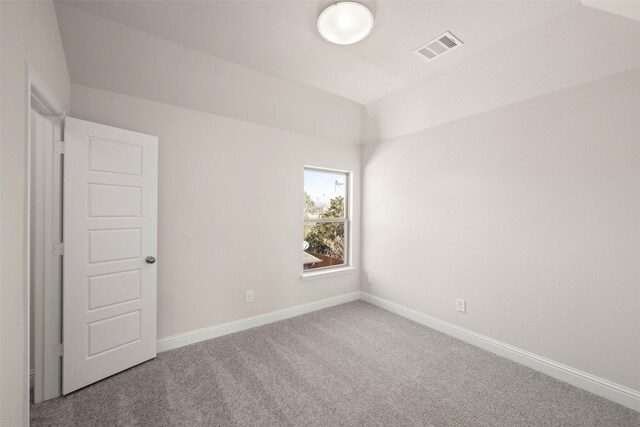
[
  {"x": 58, "y": 147},
  {"x": 58, "y": 350},
  {"x": 58, "y": 248}
]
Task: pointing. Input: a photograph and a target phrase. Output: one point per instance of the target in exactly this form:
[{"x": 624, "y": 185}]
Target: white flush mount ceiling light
[{"x": 345, "y": 23}]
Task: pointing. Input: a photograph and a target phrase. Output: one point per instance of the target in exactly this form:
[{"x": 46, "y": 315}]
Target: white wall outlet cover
[
  {"x": 370, "y": 278},
  {"x": 461, "y": 305},
  {"x": 249, "y": 296}
]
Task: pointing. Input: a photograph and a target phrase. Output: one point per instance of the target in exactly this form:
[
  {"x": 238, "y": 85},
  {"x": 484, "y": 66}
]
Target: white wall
[
  {"x": 29, "y": 33},
  {"x": 1, "y": 84},
  {"x": 230, "y": 209},
  {"x": 529, "y": 212}
]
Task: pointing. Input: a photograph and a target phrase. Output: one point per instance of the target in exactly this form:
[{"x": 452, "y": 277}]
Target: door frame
[{"x": 41, "y": 98}]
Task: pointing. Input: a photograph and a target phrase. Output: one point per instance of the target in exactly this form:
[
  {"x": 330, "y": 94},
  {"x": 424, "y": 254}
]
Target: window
[{"x": 326, "y": 219}]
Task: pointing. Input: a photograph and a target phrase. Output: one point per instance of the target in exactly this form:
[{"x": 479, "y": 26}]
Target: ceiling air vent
[{"x": 438, "y": 46}]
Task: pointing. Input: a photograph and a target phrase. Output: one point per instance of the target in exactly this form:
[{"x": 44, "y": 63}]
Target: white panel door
[{"x": 110, "y": 241}]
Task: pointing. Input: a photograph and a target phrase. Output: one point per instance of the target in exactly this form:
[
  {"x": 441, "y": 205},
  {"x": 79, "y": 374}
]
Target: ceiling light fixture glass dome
[{"x": 345, "y": 23}]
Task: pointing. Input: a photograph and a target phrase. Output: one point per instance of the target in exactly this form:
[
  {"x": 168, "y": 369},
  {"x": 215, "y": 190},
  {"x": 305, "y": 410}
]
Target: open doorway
[{"x": 44, "y": 235}]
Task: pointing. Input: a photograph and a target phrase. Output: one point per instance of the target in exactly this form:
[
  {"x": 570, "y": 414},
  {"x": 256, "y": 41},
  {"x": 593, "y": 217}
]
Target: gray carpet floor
[{"x": 349, "y": 365}]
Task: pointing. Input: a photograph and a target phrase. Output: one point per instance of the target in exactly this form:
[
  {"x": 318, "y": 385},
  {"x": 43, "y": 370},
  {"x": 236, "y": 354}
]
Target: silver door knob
[{"x": 150, "y": 260}]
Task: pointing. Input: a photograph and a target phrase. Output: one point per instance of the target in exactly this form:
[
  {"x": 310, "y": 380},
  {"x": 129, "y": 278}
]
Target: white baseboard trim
[
  {"x": 203, "y": 334},
  {"x": 599, "y": 386},
  {"x": 596, "y": 385}
]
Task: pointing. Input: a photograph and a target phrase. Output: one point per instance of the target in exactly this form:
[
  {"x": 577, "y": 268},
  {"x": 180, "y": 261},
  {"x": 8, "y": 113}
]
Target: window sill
[{"x": 305, "y": 277}]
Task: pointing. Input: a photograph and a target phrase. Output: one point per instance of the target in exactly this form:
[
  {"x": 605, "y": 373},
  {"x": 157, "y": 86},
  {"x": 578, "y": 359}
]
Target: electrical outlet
[
  {"x": 249, "y": 296},
  {"x": 461, "y": 305},
  {"x": 370, "y": 278}
]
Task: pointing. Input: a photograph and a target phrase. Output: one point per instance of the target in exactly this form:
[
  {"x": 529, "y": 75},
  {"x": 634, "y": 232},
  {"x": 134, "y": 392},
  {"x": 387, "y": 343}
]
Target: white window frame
[{"x": 346, "y": 267}]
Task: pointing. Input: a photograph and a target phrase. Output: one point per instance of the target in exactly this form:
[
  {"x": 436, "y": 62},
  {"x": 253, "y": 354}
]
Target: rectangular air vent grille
[
  {"x": 438, "y": 46},
  {"x": 426, "y": 52},
  {"x": 448, "y": 42}
]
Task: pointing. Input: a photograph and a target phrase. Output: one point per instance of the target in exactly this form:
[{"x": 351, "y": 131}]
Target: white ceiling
[
  {"x": 584, "y": 45},
  {"x": 626, "y": 8},
  {"x": 279, "y": 38}
]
